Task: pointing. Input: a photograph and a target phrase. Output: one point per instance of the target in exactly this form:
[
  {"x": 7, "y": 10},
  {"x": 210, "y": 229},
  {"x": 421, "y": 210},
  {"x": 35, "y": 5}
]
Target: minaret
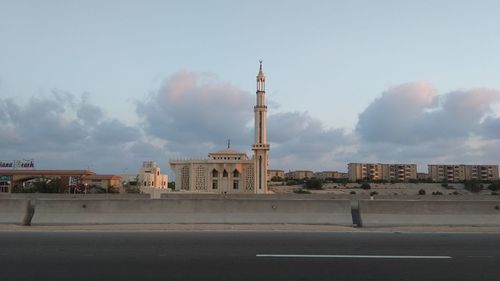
[{"x": 260, "y": 147}]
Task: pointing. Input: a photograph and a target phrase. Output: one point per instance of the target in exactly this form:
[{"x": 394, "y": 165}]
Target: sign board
[
  {"x": 5, "y": 178},
  {"x": 17, "y": 164}
]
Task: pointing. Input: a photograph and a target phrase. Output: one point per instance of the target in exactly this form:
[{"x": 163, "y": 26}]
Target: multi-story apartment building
[
  {"x": 299, "y": 174},
  {"x": 461, "y": 172},
  {"x": 275, "y": 174},
  {"x": 330, "y": 175},
  {"x": 399, "y": 172},
  {"x": 379, "y": 171},
  {"x": 361, "y": 171}
]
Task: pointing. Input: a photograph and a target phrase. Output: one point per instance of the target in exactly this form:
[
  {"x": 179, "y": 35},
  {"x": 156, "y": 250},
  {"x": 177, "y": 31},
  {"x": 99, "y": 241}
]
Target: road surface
[{"x": 247, "y": 255}]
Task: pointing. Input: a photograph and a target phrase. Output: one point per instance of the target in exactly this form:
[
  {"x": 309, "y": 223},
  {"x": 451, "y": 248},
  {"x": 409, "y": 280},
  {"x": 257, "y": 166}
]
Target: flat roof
[
  {"x": 102, "y": 177},
  {"x": 14, "y": 172}
]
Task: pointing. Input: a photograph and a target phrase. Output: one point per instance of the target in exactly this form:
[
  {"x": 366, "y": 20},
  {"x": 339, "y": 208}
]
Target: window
[
  {"x": 224, "y": 174},
  {"x": 215, "y": 173},
  {"x": 235, "y": 184},
  {"x": 236, "y": 174},
  {"x": 215, "y": 184}
]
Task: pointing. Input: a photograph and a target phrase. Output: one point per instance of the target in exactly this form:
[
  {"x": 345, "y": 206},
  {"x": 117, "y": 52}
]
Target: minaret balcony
[{"x": 261, "y": 146}]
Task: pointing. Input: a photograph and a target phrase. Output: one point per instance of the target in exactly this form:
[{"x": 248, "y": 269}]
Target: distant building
[
  {"x": 422, "y": 176},
  {"x": 275, "y": 173},
  {"x": 330, "y": 175},
  {"x": 150, "y": 176},
  {"x": 299, "y": 175},
  {"x": 461, "y": 172},
  {"x": 379, "y": 171}
]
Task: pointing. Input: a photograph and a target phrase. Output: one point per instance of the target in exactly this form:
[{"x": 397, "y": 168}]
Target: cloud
[
  {"x": 413, "y": 113},
  {"x": 63, "y": 131},
  {"x": 300, "y": 141},
  {"x": 412, "y": 123},
  {"x": 193, "y": 111},
  {"x": 192, "y": 114}
]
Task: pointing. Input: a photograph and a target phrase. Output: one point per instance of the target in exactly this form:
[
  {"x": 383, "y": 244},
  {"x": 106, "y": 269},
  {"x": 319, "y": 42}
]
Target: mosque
[{"x": 230, "y": 171}]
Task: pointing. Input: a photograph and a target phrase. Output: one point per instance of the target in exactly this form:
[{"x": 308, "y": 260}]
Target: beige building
[
  {"x": 229, "y": 171},
  {"x": 299, "y": 175},
  {"x": 330, "y": 175},
  {"x": 275, "y": 173},
  {"x": 379, "y": 171},
  {"x": 461, "y": 172},
  {"x": 150, "y": 176}
]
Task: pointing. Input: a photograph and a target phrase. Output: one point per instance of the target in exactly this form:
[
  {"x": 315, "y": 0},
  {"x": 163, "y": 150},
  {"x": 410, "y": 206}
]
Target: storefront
[{"x": 5, "y": 183}]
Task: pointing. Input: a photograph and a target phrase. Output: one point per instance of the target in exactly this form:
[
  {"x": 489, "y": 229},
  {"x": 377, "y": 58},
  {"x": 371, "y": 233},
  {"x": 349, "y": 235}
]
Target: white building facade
[
  {"x": 229, "y": 171},
  {"x": 150, "y": 176}
]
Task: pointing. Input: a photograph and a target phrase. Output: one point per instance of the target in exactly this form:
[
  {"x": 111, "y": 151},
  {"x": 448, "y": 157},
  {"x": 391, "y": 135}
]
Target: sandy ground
[
  {"x": 243, "y": 227},
  {"x": 385, "y": 189}
]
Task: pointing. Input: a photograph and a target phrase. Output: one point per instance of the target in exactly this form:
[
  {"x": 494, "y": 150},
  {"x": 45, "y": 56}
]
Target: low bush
[
  {"x": 352, "y": 192},
  {"x": 437, "y": 193},
  {"x": 373, "y": 193},
  {"x": 473, "y": 186},
  {"x": 494, "y": 186},
  {"x": 313, "y": 184},
  {"x": 421, "y": 192},
  {"x": 301, "y": 191},
  {"x": 365, "y": 186}
]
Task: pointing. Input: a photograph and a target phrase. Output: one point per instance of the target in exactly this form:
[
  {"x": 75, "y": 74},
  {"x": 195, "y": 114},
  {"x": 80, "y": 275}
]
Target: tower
[{"x": 261, "y": 147}]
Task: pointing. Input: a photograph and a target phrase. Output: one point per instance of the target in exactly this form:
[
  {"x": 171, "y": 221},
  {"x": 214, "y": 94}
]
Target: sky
[{"x": 105, "y": 85}]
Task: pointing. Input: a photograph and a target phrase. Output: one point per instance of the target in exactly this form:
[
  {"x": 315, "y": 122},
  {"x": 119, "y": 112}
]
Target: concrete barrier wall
[
  {"x": 200, "y": 195},
  {"x": 427, "y": 213},
  {"x": 74, "y": 196},
  {"x": 238, "y": 211},
  {"x": 13, "y": 211}
]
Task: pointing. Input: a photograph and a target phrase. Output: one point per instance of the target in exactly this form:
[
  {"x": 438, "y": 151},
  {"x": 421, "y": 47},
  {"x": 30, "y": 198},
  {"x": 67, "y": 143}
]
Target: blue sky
[{"x": 109, "y": 65}]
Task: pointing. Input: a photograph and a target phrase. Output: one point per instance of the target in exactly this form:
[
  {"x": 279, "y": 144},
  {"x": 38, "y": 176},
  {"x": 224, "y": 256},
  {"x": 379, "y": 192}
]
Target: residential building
[
  {"x": 299, "y": 174},
  {"x": 275, "y": 174},
  {"x": 379, "y": 171},
  {"x": 330, "y": 175},
  {"x": 461, "y": 172}
]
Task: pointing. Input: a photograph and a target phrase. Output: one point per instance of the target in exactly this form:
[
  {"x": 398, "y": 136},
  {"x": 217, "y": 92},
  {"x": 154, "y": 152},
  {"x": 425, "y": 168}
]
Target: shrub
[
  {"x": 373, "y": 193},
  {"x": 421, "y": 192},
  {"x": 365, "y": 186},
  {"x": 455, "y": 193},
  {"x": 473, "y": 186},
  {"x": 444, "y": 184},
  {"x": 313, "y": 184},
  {"x": 301, "y": 191},
  {"x": 276, "y": 178},
  {"x": 494, "y": 186},
  {"x": 437, "y": 193},
  {"x": 352, "y": 192}
]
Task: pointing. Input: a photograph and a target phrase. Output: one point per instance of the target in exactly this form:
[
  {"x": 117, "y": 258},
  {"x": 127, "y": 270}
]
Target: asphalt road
[{"x": 247, "y": 256}]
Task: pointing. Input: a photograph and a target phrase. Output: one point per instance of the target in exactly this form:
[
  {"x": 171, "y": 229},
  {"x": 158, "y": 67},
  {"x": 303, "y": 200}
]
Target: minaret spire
[{"x": 261, "y": 147}]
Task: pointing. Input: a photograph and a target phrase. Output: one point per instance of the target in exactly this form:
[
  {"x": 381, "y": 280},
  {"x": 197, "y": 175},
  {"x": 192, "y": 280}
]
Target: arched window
[
  {"x": 215, "y": 173},
  {"x": 236, "y": 174},
  {"x": 224, "y": 174}
]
